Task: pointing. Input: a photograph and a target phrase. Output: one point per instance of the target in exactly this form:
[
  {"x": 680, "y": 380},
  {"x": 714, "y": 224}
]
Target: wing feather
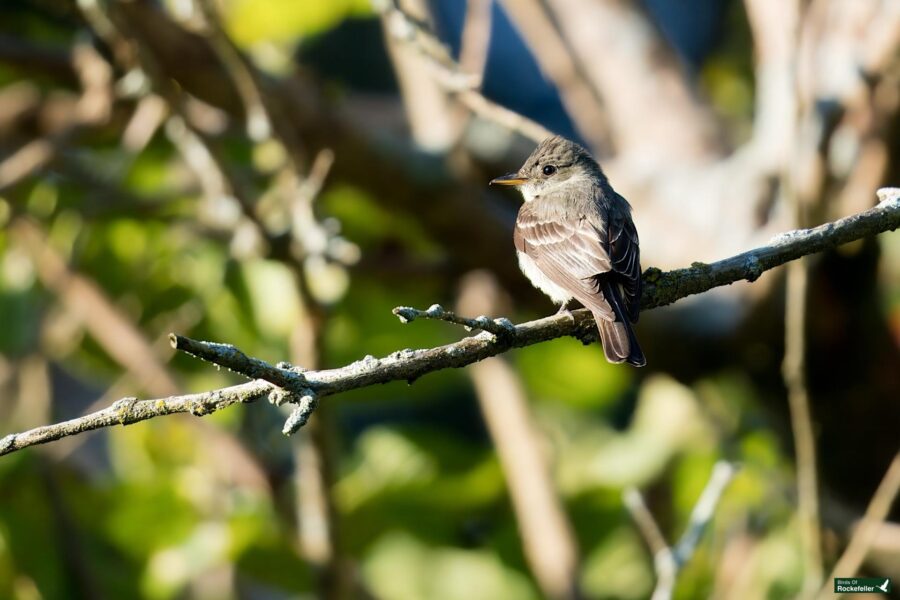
[
  {"x": 624, "y": 251},
  {"x": 569, "y": 251}
]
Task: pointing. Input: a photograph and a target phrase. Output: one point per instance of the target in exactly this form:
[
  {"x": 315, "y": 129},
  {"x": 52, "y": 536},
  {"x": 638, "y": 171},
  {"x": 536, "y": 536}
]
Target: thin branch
[
  {"x": 668, "y": 561},
  {"x": 314, "y": 181},
  {"x": 476, "y": 37},
  {"x": 423, "y": 75},
  {"x": 131, "y": 410},
  {"x": 802, "y": 178},
  {"x": 258, "y": 123},
  {"x": 449, "y": 75},
  {"x": 499, "y": 327},
  {"x": 864, "y": 535},
  {"x": 646, "y": 524},
  {"x": 635, "y": 72},
  {"x": 314, "y": 468},
  {"x": 228, "y": 356},
  {"x": 405, "y": 28},
  {"x": 110, "y": 327},
  {"x": 265, "y": 120},
  {"x": 659, "y": 289},
  {"x": 556, "y": 61},
  {"x": 93, "y": 109},
  {"x": 703, "y": 511},
  {"x": 289, "y": 383},
  {"x": 794, "y": 369},
  {"x": 509, "y": 119},
  {"x": 548, "y": 541},
  {"x": 775, "y": 29}
]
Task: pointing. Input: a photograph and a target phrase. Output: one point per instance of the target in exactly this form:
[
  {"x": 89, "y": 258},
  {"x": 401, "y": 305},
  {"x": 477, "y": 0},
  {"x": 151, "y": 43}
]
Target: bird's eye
[{"x": 549, "y": 170}]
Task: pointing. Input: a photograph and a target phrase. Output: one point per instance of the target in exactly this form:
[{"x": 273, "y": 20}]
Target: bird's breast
[{"x": 534, "y": 274}]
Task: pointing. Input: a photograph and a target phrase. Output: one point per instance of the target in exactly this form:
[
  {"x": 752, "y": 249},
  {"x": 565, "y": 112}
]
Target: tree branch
[
  {"x": 452, "y": 78},
  {"x": 306, "y": 387},
  {"x": 131, "y": 410},
  {"x": 548, "y": 539},
  {"x": 661, "y": 289},
  {"x": 864, "y": 535},
  {"x": 228, "y": 356},
  {"x": 668, "y": 560}
]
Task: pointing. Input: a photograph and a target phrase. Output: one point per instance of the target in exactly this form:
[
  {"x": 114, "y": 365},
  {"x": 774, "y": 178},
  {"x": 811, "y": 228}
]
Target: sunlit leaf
[{"x": 251, "y": 21}]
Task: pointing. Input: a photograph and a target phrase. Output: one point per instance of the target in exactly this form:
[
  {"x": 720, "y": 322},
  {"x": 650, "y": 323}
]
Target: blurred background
[{"x": 279, "y": 175}]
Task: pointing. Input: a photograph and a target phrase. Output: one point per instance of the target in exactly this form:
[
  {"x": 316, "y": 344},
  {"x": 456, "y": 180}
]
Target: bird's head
[{"x": 556, "y": 163}]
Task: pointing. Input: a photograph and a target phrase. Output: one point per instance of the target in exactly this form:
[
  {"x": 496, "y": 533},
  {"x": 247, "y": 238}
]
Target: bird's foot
[{"x": 564, "y": 310}]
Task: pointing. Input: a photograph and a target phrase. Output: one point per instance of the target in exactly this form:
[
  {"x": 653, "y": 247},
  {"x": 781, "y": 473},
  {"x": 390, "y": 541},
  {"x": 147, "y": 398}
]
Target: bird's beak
[{"x": 509, "y": 179}]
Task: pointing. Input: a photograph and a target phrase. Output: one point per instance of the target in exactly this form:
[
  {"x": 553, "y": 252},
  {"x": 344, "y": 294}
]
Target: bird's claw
[{"x": 564, "y": 310}]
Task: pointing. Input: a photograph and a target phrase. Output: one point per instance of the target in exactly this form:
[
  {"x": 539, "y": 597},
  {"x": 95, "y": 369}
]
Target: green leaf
[{"x": 254, "y": 21}]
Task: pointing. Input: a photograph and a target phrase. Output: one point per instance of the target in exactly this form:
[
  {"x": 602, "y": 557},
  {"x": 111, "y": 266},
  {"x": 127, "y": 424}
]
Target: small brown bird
[{"x": 575, "y": 239}]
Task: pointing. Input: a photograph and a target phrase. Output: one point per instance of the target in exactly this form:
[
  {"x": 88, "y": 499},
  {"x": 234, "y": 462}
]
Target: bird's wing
[
  {"x": 569, "y": 251},
  {"x": 623, "y": 248}
]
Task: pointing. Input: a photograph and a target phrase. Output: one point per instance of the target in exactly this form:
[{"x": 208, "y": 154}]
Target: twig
[
  {"x": 794, "y": 369},
  {"x": 721, "y": 476},
  {"x": 259, "y": 125},
  {"x": 864, "y": 535},
  {"x": 265, "y": 120},
  {"x": 119, "y": 337},
  {"x": 300, "y": 414},
  {"x": 775, "y": 27},
  {"x": 231, "y": 358},
  {"x": 668, "y": 561},
  {"x": 314, "y": 181},
  {"x": 405, "y": 28},
  {"x": 476, "y": 37},
  {"x": 498, "y": 327},
  {"x": 659, "y": 289},
  {"x": 548, "y": 541},
  {"x": 557, "y": 62},
  {"x": 491, "y": 111},
  {"x": 313, "y": 239},
  {"x": 643, "y": 518},
  {"x": 448, "y": 74},
  {"x": 629, "y": 64},
  {"x": 131, "y": 410},
  {"x": 803, "y": 179},
  {"x": 92, "y": 110},
  {"x": 290, "y": 384}
]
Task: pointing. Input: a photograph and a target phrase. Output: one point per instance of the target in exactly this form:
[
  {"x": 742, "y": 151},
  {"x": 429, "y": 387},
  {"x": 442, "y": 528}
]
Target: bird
[{"x": 575, "y": 239}]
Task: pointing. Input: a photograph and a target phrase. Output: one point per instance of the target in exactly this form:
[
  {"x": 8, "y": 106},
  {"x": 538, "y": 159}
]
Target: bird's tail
[{"x": 618, "y": 339}]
